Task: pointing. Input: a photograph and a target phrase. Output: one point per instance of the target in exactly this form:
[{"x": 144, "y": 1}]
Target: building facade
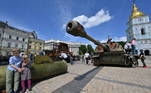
[
  {"x": 35, "y": 45},
  {"x": 11, "y": 38},
  {"x": 73, "y": 47},
  {"x": 51, "y": 44},
  {"x": 139, "y": 27}
]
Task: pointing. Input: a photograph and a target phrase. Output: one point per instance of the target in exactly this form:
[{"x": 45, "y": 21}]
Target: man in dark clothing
[{"x": 142, "y": 57}]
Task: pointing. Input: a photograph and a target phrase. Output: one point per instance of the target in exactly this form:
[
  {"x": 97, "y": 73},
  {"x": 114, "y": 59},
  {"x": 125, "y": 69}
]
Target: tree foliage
[
  {"x": 122, "y": 43},
  {"x": 90, "y": 49},
  {"x": 82, "y": 49}
]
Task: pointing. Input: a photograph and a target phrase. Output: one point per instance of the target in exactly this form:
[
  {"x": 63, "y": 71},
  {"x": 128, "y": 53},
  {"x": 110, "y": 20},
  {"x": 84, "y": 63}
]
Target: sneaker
[
  {"x": 145, "y": 67},
  {"x": 30, "y": 89},
  {"x": 23, "y": 91}
]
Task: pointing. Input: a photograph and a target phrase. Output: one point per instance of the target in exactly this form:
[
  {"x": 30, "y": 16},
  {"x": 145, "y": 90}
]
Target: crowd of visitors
[{"x": 130, "y": 48}]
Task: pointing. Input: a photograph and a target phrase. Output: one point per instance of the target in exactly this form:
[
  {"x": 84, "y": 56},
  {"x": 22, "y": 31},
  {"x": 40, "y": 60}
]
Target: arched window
[
  {"x": 147, "y": 52},
  {"x": 143, "y": 31}
]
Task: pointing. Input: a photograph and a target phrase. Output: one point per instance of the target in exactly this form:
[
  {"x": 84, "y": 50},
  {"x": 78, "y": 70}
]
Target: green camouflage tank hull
[
  {"x": 110, "y": 58},
  {"x": 38, "y": 71}
]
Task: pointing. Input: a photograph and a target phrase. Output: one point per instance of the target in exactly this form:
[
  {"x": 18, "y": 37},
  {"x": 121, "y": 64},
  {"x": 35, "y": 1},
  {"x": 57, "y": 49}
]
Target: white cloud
[
  {"x": 82, "y": 19},
  {"x": 100, "y": 17},
  {"x": 103, "y": 41},
  {"x": 64, "y": 26},
  {"x": 124, "y": 38},
  {"x": 116, "y": 39}
]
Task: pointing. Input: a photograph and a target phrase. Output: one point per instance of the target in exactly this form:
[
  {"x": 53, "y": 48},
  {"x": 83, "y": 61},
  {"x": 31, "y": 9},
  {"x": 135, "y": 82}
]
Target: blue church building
[{"x": 139, "y": 27}]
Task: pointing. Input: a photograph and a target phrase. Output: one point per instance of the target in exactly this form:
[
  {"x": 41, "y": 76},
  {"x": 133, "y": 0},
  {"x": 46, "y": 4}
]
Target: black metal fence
[{"x": 4, "y": 60}]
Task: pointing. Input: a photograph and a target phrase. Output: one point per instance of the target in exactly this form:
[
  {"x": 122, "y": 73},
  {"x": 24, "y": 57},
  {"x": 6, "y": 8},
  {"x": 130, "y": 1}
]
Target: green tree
[
  {"x": 122, "y": 43},
  {"x": 90, "y": 49},
  {"x": 82, "y": 49}
]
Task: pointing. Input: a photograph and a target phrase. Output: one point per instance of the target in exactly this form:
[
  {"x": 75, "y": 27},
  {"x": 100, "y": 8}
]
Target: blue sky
[{"x": 48, "y": 17}]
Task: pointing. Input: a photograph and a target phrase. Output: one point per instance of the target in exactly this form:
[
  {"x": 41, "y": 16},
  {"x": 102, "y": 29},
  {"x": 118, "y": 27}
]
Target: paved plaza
[{"x": 82, "y": 78}]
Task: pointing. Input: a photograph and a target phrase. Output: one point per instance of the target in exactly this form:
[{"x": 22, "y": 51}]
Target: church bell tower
[{"x": 139, "y": 27}]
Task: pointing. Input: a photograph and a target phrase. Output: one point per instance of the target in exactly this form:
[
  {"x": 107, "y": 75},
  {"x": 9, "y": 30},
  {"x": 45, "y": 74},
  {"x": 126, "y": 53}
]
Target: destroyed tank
[{"x": 110, "y": 53}]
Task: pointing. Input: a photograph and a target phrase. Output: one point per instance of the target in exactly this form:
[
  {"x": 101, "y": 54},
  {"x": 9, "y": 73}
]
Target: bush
[
  {"x": 42, "y": 59},
  {"x": 38, "y": 71},
  {"x": 2, "y": 76},
  {"x": 41, "y": 71}
]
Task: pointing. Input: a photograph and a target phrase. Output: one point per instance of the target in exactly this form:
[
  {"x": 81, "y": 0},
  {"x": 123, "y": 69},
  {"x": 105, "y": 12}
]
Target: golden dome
[{"x": 136, "y": 13}]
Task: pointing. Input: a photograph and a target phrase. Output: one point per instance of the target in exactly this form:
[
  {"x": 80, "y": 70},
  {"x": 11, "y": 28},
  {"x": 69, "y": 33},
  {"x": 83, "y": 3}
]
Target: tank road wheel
[
  {"x": 135, "y": 62},
  {"x": 128, "y": 61},
  {"x": 131, "y": 61},
  {"x": 96, "y": 62}
]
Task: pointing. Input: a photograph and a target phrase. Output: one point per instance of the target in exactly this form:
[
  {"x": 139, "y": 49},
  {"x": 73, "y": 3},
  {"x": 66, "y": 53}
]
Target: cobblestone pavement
[
  {"x": 51, "y": 85},
  {"x": 121, "y": 80},
  {"x": 82, "y": 78}
]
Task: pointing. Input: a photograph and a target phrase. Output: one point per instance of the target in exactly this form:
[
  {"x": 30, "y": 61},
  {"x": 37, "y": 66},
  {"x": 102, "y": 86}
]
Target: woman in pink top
[{"x": 133, "y": 46}]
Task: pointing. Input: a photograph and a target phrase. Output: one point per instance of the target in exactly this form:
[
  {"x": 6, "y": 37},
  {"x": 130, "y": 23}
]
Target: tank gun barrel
[{"x": 76, "y": 29}]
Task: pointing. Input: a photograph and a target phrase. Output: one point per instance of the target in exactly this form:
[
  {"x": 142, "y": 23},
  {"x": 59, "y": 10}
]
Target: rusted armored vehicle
[
  {"x": 109, "y": 53},
  {"x": 57, "y": 49}
]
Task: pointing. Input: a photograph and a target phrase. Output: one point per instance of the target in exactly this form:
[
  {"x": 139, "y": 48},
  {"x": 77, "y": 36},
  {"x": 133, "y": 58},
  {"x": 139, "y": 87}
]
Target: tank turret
[{"x": 76, "y": 29}]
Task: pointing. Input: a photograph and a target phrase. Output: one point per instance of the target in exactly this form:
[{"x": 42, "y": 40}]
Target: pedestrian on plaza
[
  {"x": 87, "y": 57},
  {"x": 64, "y": 56},
  {"x": 83, "y": 60},
  {"x": 142, "y": 57},
  {"x": 25, "y": 74},
  {"x": 127, "y": 47},
  {"x": 13, "y": 72},
  {"x": 71, "y": 58},
  {"x": 133, "y": 46},
  {"x": 68, "y": 58}
]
